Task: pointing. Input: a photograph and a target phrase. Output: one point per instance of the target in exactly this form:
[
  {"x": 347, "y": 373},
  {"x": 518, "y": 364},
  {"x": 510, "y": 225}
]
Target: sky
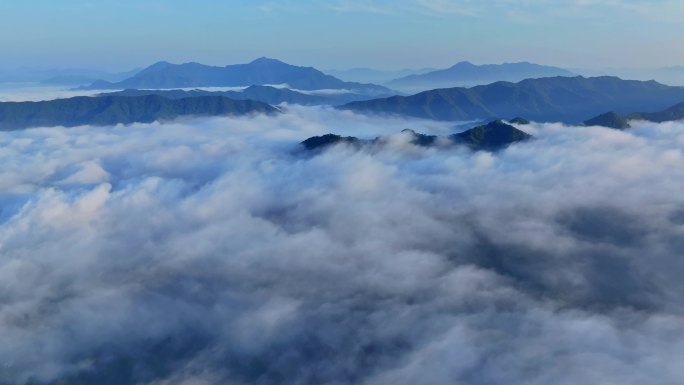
[{"x": 334, "y": 34}]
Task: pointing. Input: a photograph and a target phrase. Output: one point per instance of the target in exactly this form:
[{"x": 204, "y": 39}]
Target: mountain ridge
[
  {"x": 465, "y": 72},
  {"x": 261, "y": 71},
  {"x": 111, "y": 110},
  {"x": 266, "y": 94},
  {"x": 565, "y": 99}
]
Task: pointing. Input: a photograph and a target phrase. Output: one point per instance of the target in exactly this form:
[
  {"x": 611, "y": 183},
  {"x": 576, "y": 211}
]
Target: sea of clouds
[{"x": 214, "y": 251}]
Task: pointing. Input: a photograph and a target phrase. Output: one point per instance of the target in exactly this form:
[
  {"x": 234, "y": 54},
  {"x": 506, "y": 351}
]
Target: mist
[{"x": 215, "y": 251}]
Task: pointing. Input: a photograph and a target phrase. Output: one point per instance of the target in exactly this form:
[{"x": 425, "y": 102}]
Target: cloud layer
[{"x": 211, "y": 251}]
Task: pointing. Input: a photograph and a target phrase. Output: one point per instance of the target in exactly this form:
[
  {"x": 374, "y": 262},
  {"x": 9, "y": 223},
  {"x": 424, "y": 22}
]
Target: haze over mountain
[
  {"x": 370, "y": 75},
  {"x": 262, "y": 71},
  {"x": 112, "y": 110},
  {"x": 671, "y": 75},
  {"x": 266, "y": 94},
  {"x": 56, "y": 76},
  {"x": 468, "y": 74},
  {"x": 565, "y": 99}
]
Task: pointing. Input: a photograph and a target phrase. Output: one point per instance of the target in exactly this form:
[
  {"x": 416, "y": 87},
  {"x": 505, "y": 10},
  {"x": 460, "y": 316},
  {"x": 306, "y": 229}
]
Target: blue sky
[{"x": 121, "y": 34}]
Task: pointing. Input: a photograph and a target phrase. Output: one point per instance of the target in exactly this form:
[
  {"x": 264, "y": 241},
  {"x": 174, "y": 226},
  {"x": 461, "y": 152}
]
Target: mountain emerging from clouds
[
  {"x": 673, "y": 113},
  {"x": 263, "y": 71},
  {"x": 615, "y": 120},
  {"x": 492, "y": 136},
  {"x": 111, "y": 110},
  {"x": 609, "y": 119},
  {"x": 465, "y": 73},
  {"x": 565, "y": 99}
]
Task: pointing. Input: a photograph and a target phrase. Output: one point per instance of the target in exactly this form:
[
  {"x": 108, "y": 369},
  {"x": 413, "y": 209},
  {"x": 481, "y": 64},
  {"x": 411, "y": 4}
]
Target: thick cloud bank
[{"x": 210, "y": 252}]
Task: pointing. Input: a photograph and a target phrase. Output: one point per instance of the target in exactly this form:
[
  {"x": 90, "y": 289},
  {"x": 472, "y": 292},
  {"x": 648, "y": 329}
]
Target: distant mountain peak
[
  {"x": 463, "y": 63},
  {"x": 266, "y": 60},
  {"x": 160, "y": 65}
]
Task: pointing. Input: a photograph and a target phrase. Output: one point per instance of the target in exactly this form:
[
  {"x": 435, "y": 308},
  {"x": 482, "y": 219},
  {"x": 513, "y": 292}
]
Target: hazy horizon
[{"x": 339, "y": 68}]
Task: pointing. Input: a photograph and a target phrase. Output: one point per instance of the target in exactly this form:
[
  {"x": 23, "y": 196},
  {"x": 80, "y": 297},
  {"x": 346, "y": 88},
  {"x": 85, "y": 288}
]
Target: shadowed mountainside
[{"x": 110, "y": 110}]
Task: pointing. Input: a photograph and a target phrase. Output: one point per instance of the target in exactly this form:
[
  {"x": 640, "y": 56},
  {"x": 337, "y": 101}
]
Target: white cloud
[{"x": 211, "y": 251}]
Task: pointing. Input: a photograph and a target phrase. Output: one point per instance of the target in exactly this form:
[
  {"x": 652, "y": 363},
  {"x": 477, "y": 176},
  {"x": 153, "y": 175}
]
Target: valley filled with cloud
[{"x": 217, "y": 250}]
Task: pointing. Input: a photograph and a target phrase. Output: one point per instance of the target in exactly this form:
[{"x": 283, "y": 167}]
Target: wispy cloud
[
  {"x": 361, "y": 7},
  {"x": 425, "y": 7},
  {"x": 446, "y": 7},
  {"x": 524, "y": 10}
]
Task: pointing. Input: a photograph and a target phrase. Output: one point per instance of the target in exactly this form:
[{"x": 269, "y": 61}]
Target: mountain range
[
  {"x": 492, "y": 136},
  {"x": 564, "y": 99},
  {"x": 266, "y": 94},
  {"x": 111, "y": 110},
  {"x": 469, "y": 74},
  {"x": 263, "y": 71}
]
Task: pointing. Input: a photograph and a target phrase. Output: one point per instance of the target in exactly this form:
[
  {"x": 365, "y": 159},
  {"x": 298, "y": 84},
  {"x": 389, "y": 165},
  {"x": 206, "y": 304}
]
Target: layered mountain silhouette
[
  {"x": 112, "y": 110},
  {"x": 565, "y": 99},
  {"x": 493, "y": 136},
  {"x": 615, "y": 120},
  {"x": 465, "y": 73},
  {"x": 266, "y": 94},
  {"x": 263, "y": 71}
]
